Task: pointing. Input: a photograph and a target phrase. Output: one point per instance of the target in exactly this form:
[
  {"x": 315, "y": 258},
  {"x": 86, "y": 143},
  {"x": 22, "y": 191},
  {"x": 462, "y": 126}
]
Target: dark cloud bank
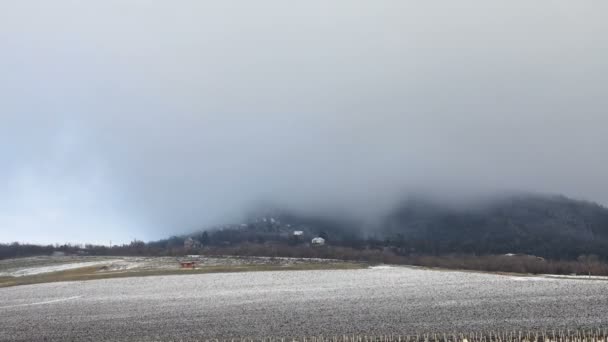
[{"x": 142, "y": 119}]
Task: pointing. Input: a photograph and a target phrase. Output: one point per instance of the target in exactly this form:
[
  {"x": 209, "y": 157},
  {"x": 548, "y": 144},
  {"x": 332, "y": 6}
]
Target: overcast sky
[{"x": 140, "y": 119}]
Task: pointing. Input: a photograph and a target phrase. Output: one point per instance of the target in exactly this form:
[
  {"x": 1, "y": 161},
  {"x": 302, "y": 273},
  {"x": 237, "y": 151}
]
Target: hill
[{"x": 549, "y": 226}]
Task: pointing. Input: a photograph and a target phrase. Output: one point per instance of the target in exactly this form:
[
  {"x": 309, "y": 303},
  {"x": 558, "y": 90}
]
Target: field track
[{"x": 377, "y": 301}]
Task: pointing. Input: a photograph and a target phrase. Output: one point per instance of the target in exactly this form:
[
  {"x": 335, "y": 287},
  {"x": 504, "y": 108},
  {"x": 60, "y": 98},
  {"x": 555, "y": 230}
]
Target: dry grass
[{"x": 95, "y": 272}]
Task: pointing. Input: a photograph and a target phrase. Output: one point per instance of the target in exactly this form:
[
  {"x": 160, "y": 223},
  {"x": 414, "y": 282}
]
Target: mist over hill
[{"x": 551, "y": 226}]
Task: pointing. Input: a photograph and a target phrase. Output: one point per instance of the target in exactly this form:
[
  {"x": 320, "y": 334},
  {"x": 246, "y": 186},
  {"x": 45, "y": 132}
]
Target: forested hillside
[
  {"x": 553, "y": 227},
  {"x": 548, "y": 226}
]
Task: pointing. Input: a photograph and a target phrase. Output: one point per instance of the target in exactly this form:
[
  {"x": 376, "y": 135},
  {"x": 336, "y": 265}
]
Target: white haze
[{"x": 140, "y": 119}]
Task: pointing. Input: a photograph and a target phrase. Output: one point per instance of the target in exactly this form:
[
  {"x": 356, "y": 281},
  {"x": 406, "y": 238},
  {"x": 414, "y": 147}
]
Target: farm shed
[{"x": 187, "y": 264}]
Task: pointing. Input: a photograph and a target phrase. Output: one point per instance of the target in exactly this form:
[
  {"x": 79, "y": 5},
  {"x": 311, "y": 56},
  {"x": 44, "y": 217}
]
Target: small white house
[
  {"x": 318, "y": 241},
  {"x": 298, "y": 233},
  {"x": 190, "y": 243}
]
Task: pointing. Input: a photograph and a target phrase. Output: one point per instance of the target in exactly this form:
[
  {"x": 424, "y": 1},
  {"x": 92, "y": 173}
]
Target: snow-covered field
[
  {"x": 45, "y": 264},
  {"x": 381, "y": 300},
  {"x": 575, "y": 277},
  {"x": 28, "y": 271}
]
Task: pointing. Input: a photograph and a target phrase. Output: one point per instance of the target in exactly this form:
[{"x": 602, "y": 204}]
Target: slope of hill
[{"x": 548, "y": 226}]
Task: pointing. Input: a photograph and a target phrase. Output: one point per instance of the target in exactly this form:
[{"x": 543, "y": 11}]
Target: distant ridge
[
  {"x": 546, "y": 225},
  {"x": 550, "y": 226}
]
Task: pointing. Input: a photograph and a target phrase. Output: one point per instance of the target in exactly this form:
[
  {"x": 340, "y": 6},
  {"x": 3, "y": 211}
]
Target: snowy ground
[
  {"x": 39, "y": 265},
  {"x": 575, "y": 276},
  {"x": 296, "y": 303},
  {"x": 28, "y": 271}
]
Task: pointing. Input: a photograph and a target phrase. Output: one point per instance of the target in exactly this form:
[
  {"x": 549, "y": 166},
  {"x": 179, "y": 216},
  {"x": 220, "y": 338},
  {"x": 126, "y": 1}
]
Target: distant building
[
  {"x": 187, "y": 264},
  {"x": 298, "y": 233},
  {"x": 58, "y": 253},
  {"x": 190, "y": 243},
  {"x": 318, "y": 241}
]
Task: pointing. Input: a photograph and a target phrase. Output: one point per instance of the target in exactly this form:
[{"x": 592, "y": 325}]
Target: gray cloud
[{"x": 144, "y": 118}]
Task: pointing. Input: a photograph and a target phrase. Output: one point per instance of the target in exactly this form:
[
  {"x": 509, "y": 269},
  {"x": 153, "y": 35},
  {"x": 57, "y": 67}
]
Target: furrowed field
[{"x": 385, "y": 302}]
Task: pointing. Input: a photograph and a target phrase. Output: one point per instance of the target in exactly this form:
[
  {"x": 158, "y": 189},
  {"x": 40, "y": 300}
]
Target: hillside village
[{"x": 265, "y": 229}]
